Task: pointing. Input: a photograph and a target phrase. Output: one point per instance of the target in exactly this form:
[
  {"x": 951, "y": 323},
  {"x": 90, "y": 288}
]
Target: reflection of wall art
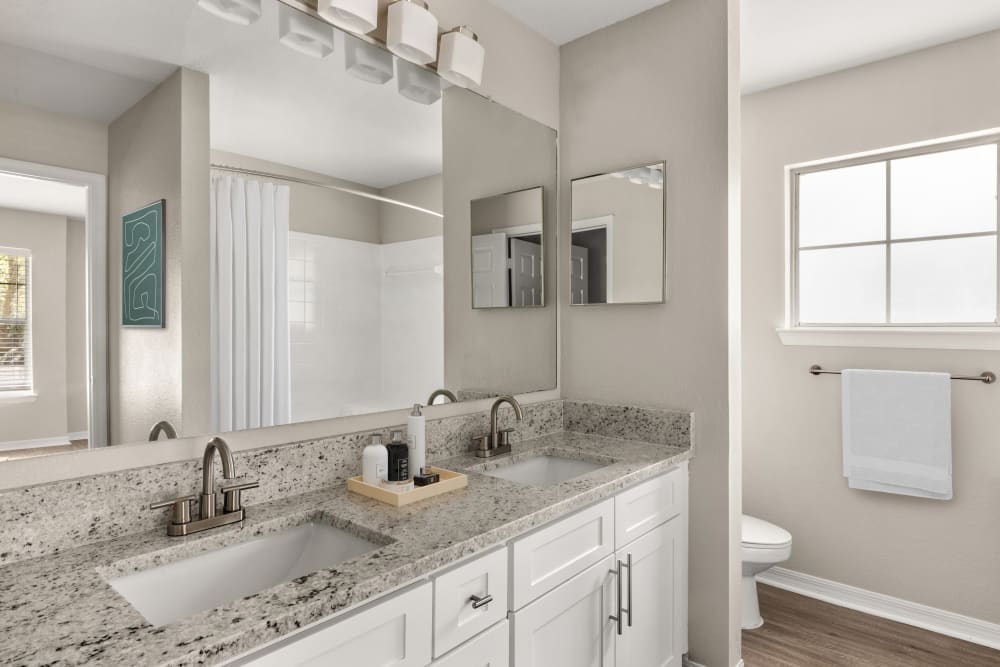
[{"x": 142, "y": 266}]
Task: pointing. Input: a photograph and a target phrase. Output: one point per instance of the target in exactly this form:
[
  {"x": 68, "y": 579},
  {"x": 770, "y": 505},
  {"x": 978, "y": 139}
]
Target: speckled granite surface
[
  {"x": 670, "y": 427},
  {"x": 64, "y": 515},
  {"x": 58, "y": 609}
]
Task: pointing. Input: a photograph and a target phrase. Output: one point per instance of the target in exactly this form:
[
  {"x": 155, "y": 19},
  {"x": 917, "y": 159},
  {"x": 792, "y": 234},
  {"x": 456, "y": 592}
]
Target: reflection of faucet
[
  {"x": 497, "y": 441},
  {"x": 162, "y": 427},
  {"x": 442, "y": 392},
  {"x": 232, "y": 506}
]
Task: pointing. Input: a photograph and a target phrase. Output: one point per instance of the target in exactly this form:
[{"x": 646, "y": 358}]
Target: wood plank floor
[{"x": 803, "y": 632}]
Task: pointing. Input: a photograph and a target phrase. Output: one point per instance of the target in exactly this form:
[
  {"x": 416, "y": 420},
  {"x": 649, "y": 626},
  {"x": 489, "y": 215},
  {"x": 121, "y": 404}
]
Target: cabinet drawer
[
  {"x": 546, "y": 558},
  {"x": 490, "y": 649},
  {"x": 644, "y": 507},
  {"x": 455, "y": 619},
  {"x": 392, "y": 633}
]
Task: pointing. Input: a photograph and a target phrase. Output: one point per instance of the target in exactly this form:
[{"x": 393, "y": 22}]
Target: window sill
[
  {"x": 915, "y": 338},
  {"x": 9, "y": 397}
]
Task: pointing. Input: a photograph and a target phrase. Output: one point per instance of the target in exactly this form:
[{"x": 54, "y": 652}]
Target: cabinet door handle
[
  {"x": 478, "y": 602},
  {"x": 628, "y": 559},
  {"x": 617, "y": 618}
]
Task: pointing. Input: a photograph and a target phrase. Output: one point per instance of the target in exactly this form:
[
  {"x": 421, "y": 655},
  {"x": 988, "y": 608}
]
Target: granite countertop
[{"x": 59, "y": 609}]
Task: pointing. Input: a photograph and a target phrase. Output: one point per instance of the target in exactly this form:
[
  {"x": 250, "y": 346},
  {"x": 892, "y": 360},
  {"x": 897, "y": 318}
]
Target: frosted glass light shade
[
  {"x": 413, "y": 31},
  {"x": 360, "y": 16},
  {"x": 461, "y": 58},
  {"x": 367, "y": 61},
  {"x": 304, "y": 33},
  {"x": 241, "y": 12},
  {"x": 418, "y": 84}
]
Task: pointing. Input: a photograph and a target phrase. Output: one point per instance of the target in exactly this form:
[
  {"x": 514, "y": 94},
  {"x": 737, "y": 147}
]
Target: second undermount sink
[
  {"x": 544, "y": 470},
  {"x": 180, "y": 589}
]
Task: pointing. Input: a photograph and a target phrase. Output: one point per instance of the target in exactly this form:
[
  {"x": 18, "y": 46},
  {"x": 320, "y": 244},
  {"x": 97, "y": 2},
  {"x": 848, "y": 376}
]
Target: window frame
[
  {"x": 29, "y": 389},
  {"x": 941, "y": 335}
]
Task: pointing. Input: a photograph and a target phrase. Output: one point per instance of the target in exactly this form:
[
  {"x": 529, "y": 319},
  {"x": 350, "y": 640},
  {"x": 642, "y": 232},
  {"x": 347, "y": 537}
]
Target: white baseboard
[
  {"x": 691, "y": 663},
  {"x": 52, "y": 441},
  {"x": 885, "y": 606}
]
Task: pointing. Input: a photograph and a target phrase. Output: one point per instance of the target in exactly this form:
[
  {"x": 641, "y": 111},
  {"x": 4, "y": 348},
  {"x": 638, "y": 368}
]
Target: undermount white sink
[
  {"x": 544, "y": 470},
  {"x": 177, "y": 590}
]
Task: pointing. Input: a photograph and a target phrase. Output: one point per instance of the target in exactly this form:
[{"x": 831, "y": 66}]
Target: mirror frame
[{"x": 663, "y": 203}]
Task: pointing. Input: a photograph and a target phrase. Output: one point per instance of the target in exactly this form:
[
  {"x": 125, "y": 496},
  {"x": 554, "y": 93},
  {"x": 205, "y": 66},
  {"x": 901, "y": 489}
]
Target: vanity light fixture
[
  {"x": 304, "y": 33},
  {"x": 418, "y": 84},
  {"x": 367, "y": 61},
  {"x": 461, "y": 57},
  {"x": 413, "y": 31},
  {"x": 242, "y": 12},
  {"x": 358, "y": 16}
]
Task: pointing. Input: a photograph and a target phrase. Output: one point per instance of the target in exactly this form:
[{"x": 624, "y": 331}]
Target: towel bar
[{"x": 986, "y": 377}]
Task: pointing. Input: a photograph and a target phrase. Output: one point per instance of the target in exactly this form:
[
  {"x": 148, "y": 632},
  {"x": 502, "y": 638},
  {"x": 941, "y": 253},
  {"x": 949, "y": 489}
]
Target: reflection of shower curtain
[{"x": 250, "y": 349}]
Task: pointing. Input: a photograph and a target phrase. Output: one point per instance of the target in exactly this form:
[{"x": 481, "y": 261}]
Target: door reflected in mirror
[
  {"x": 507, "y": 250},
  {"x": 617, "y": 252}
]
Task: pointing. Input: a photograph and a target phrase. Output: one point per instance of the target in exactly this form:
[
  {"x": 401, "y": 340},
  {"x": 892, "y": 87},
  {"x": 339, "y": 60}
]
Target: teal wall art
[{"x": 142, "y": 266}]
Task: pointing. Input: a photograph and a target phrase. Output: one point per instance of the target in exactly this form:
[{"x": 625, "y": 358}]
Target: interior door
[
  {"x": 489, "y": 271},
  {"x": 526, "y": 273},
  {"x": 656, "y": 595},
  {"x": 579, "y": 275}
]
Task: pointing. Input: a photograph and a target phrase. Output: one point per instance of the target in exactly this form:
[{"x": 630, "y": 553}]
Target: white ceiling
[
  {"x": 791, "y": 40},
  {"x": 41, "y": 196},
  {"x": 95, "y": 59},
  {"x": 562, "y": 21}
]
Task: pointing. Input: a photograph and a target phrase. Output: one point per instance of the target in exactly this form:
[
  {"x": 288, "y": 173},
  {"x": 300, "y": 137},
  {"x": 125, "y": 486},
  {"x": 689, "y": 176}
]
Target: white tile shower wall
[
  {"x": 412, "y": 320},
  {"x": 367, "y": 325},
  {"x": 334, "y": 319}
]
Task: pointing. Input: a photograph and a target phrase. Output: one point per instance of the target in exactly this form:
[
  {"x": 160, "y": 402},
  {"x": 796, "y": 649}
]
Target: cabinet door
[
  {"x": 655, "y": 592},
  {"x": 391, "y": 633},
  {"x": 570, "y": 625},
  {"x": 490, "y": 649}
]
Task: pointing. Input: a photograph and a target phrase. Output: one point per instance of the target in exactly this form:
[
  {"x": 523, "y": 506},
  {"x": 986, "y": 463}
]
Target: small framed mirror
[
  {"x": 507, "y": 250},
  {"x": 617, "y": 242}
]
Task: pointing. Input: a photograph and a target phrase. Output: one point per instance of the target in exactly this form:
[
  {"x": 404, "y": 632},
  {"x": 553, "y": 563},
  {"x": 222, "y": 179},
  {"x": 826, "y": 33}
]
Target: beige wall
[
  {"x": 674, "y": 60},
  {"x": 48, "y": 138},
  {"x": 941, "y": 554},
  {"x": 76, "y": 326},
  {"x": 489, "y": 149},
  {"x": 511, "y": 209},
  {"x": 43, "y": 416},
  {"x": 156, "y": 152},
  {"x": 398, "y": 223},
  {"x": 637, "y": 233}
]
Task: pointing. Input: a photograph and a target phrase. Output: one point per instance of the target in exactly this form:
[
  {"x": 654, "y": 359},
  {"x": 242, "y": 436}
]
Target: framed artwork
[{"x": 142, "y": 266}]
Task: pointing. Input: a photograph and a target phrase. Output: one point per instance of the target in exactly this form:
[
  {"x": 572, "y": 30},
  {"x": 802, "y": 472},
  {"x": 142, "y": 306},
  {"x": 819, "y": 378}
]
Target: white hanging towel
[{"x": 897, "y": 432}]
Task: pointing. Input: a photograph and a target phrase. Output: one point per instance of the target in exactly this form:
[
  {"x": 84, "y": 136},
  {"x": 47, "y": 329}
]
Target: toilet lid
[{"x": 761, "y": 534}]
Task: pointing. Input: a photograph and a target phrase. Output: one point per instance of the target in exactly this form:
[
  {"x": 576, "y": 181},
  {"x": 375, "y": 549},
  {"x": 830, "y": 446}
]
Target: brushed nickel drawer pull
[{"x": 478, "y": 602}]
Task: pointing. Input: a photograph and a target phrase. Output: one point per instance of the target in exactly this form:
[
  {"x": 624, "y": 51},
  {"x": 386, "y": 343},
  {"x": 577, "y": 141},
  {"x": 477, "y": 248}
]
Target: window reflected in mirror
[{"x": 617, "y": 251}]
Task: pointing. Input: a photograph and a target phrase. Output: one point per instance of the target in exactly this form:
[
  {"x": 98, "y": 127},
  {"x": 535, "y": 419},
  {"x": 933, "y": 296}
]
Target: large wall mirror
[
  {"x": 227, "y": 226},
  {"x": 617, "y": 248}
]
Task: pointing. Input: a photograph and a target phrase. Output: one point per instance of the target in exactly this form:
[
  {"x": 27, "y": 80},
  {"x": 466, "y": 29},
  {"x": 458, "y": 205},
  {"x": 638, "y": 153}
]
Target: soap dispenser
[
  {"x": 416, "y": 437},
  {"x": 375, "y": 461}
]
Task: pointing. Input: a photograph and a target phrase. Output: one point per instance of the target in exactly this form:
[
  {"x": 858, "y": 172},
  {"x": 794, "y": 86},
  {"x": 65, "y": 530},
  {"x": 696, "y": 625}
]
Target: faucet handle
[
  {"x": 232, "y": 500},
  {"x": 481, "y": 443},
  {"x": 503, "y": 437},
  {"x": 180, "y": 509}
]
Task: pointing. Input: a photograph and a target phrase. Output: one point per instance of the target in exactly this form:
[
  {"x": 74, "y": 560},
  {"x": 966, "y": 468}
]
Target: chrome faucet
[
  {"x": 232, "y": 505},
  {"x": 164, "y": 427},
  {"x": 497, "y": 442},
  {"x": 442, "y": 392}
]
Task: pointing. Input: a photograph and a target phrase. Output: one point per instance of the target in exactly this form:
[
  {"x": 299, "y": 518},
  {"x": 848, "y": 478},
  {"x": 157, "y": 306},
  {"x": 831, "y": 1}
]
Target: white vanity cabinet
[{"x": 545, "y": 599}]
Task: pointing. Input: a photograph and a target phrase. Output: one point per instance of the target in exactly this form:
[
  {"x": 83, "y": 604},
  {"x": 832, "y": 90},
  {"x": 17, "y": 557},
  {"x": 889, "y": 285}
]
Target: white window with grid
[
  {"x": 900, "y": 241},
  {"x": 15, "y": 321}
]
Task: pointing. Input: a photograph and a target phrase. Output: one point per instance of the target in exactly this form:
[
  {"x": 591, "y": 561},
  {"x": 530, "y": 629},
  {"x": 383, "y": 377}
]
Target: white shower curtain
[{"x": 250, "y": 344}]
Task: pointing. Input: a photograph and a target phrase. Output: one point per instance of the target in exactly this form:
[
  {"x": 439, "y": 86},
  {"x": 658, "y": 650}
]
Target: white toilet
[{"x": 764, "y": 546}]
